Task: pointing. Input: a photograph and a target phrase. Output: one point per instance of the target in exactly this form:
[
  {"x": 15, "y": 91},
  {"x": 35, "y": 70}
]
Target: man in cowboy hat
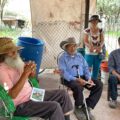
[
  {"x": 15, "y": 74},
  {"x": 76, "y": 75}
]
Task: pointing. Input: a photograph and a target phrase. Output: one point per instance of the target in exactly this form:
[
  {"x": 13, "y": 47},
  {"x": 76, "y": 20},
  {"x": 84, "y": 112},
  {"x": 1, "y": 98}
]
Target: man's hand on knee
[{"x": 81, "y": 81}]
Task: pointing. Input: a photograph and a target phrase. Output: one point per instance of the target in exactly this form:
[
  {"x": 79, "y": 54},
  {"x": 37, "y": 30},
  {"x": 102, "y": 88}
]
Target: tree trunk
[{"x": 2, "y": 5}]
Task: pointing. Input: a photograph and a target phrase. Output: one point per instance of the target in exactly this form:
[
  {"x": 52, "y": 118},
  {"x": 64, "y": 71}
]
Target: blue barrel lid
[{"x": 31, "y": 40}]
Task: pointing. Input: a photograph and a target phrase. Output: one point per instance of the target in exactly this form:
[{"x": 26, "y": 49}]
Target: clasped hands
[{"x": 30, "y": 68}]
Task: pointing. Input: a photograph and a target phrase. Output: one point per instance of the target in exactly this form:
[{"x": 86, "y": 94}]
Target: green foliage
[
  {"x": 110, "y": 11},
  {"x": 113, "y": 33},
  {"x": 109, "y": 7},
  {"x": 13, "y": 33}
]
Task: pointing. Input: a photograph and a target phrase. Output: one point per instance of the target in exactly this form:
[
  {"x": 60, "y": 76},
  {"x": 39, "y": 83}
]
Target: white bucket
[{"x": 104, "y": 77}]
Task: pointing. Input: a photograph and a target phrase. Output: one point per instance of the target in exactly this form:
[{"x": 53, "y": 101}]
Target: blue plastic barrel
[{"x": 33, "y": 50}]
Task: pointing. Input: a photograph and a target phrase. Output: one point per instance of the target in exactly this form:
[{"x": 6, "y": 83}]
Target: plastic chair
[
  {"x": 61, "y": 79},
  {"x": 7, "y": 109},
  {"x": 34, "y": 82}
]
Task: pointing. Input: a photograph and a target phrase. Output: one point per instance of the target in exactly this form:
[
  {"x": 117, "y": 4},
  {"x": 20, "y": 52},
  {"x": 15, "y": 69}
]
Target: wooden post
[{"x": 87, "y": 6}]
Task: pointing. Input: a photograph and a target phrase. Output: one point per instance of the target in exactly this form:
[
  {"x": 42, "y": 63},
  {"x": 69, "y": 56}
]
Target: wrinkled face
[
  {"x": 13, "y": 54},
  {"x": 71, "y": 49},
  {"x": 13, "y": 60}
]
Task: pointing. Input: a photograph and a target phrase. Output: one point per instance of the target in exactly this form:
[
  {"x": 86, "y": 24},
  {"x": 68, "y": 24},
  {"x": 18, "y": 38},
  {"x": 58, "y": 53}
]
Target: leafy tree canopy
[{"x": 109, "y": 8}]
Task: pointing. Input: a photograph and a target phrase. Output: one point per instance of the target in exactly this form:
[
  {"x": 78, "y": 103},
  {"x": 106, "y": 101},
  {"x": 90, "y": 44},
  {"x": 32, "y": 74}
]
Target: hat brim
[
  {"x": 19, "y": 47},
  {"x": 14, "y": 48},
  {"x": 63, "y": 44},
  {"x": 95, "y": 19}
]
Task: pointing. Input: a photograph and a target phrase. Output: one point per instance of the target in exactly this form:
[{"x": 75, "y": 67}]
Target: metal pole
[{"x": 87, "y": 5}]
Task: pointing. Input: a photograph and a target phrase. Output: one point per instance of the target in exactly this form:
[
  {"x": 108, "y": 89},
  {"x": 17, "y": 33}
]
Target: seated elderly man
[
  {"x": 76, "y": 75},
  {"x": 15, "y": 74},
  {"x": 114, "y": 78}
]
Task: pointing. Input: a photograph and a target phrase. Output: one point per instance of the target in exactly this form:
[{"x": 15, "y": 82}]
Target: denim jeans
[
  {"x": 93, "y": 62},
  {"x": 112, "y": 82}
]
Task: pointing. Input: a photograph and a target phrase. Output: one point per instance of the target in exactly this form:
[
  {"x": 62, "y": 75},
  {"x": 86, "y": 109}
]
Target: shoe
[
  {"x": 79, "y": 113},
  {"x": 113, "y": 104},
  {"x": 89, "y": 112}
]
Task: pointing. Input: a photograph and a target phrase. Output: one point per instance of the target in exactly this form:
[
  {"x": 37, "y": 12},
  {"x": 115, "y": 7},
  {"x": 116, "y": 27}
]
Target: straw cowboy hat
[
  {"x": 94, "y": 17},
  {"x": 6, "y": 45},
  {"x": 70, "y": 40}
]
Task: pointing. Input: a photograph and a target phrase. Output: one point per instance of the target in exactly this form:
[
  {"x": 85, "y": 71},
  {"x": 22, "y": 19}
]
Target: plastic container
[
  {"x": 104, "y": 66},
  {"x": 104, "y": 77},
  {"x": 33, "y": 50},
  {"x": 104, "y": 72}
]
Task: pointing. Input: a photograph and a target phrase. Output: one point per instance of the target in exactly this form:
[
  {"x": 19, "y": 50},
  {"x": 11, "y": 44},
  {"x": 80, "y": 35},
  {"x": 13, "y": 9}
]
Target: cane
[{"x": 78, "y": 73}]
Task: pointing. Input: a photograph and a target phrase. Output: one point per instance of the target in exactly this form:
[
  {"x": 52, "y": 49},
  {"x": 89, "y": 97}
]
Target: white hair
[{"x": 16, "y": 63}]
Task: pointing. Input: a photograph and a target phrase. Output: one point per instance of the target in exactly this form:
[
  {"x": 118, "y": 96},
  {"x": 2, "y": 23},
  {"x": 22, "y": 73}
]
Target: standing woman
[{"x": 94, "y": 41}]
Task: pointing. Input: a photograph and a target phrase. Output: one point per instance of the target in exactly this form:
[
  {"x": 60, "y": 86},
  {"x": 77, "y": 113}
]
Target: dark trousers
[
  {"x": 112, "y": 84},
  {"x": 55, "y": 104},
  {"x": 93, "y": 98}
]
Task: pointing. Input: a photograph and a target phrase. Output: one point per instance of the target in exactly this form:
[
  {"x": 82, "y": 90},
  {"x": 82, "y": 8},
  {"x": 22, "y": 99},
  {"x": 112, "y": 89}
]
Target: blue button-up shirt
[{"x": 67, "y": 63}]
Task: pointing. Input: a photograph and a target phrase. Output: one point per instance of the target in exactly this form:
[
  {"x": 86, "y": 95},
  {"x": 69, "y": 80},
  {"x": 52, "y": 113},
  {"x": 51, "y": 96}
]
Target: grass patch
[{"x": 113, "y": 33}]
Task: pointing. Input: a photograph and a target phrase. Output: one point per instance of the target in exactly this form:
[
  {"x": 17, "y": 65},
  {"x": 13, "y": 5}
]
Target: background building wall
[{"x": 54, "y": 21}]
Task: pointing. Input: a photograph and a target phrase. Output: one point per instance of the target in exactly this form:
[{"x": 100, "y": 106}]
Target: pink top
[{"x": 10, "y": 76}]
